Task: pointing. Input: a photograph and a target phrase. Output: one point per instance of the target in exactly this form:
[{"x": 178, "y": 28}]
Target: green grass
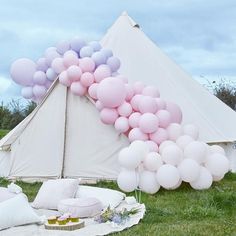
[
  {"x": 180, "y": 212},
  {"x": 3, "y": 132}
]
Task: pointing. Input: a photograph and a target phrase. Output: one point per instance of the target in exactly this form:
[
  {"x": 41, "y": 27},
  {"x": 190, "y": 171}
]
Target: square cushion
[
  {"x": 105, "y": 195},
  {"x": 53, "y": 191},
  {"x": 17, "y": 211},
  {"x": 5, "y": 194}
]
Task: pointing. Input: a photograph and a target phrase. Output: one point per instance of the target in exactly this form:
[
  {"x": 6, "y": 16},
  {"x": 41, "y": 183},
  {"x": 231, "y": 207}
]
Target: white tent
[
  {"x": 143, "y": 61},
  {"x": 62, "y": 137}
]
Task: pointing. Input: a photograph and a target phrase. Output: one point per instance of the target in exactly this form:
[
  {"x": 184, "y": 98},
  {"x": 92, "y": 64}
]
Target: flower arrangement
[{"x": 115, "y": 216}]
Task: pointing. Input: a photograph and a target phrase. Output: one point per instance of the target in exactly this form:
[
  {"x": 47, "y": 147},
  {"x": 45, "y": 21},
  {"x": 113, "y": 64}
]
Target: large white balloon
[
  {"x": 204, "y": 181},
  {"x": 165, "y": 144},
  {"x": 189, "y": 170},
  {"x": 174, "y": 131},
  {"x": 152, "y": 161},
  {"x": 177, "y": 185},
  {"x": 191, "y": 130},
  {"x": 217, "y": 164},
  {"x": 183, "y": 141},
  {"x": 196, "y": 150},
  {"x": 168, "y": 176},
  {"x": 127, "y": 180},
  {"x": 172, "y": 155},
  {"x": 148, "y": 182},
  {"x": 217, "y": 178},
  {"x": 140, "y": 147}
]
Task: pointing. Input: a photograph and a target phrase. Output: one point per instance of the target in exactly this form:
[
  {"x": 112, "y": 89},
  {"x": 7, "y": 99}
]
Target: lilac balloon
[
  {"x": 92, "y": 91},
  {"x": 58, "y": 65},
  {"x": 147, "y": 104},
  {"x": 70, "y": 58},
  {"x": 134, "y": 119},
  {"x": 159, "y": 136},
  {"x": 137, "y": 134},
  {"x": 122, "y": 124},
  {"x": 78, "y": 89},
  {"x": 39, "y": 91},
  {"x": 107, "y": 52},
  {"x": 87, "y": 64},
  {"x": 48, "y": 84},
  {"x": 27, "y": 92},
  {"x": 63, "y": 46},
  {"x": 102, "y": 72},
  {"x": 95, "y": 45},
  {"x": 51, "y": 74},
  {"x": 99, "y": 58},
  {"x": 39, "y": 78},
  {"x": 175, "y": 112},
  {"x": 50, "y": 55},
  {"x": 108, "y": 116},
  {"x": 148, "y": 123},
  {"x": 76, "y": 44},
  {"x": 42, "y": 64},
  {"x": 86, "y": 51},
  {"x": 113, "y": 63},
  {"x": 63, "y": 78},
  {"x": 22, "y": 71}
]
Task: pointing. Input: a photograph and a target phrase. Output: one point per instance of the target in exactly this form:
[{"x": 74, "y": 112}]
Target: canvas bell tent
[{"x": 62, "y": 137}]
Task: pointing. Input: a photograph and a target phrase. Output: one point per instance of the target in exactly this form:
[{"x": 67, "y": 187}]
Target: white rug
[{"x": 91, "y": 228}]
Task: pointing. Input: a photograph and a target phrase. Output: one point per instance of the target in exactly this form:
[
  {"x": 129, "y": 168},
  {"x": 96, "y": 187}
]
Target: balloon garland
[{"x": 162, "y": 151}]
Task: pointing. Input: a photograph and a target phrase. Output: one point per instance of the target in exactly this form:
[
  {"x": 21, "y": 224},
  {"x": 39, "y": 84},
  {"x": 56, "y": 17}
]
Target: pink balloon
[
  {"x": 152, "y": 146},
  {"x": 137, "y": 134},
  {"x": 134, "y": 119},
  {"x": 111, "y": 92},
  {"x": 135, "y": 101},
  {"x": 27, "y": 92},
  {"x": 175, "y": 112},
  {"x": 74, "y": 73},
  {"x": 164, "y": 118},
  {"x": 138, "y": 87},
  {"x": 151, "y": 91},
  {"x": 87, "y": 79},
  {"x": 129, "y": 92},
  {"x": 122, "y": 124},
  {"x": 77, "y": 89},
  {"x": 161, "y": 104},
  {"x": 92, "y": 91},
  {"x": 125, "y": 109},
  {"x": 58, "y": 66},
  {"x": 39, "y": 78},
  {"x": 108, "y": 116},
  {"x": 70, "y": 59},
  {"x": 63, "y": 78},
  {"x": 123, "y": 78},
  {"x": 147, "y": 104},
  {"x": 148, "y": 123},
  {"x": 39, "y": 91},
  {"x": 99, "y": 105},
  {"x": 87, "y": 64},
  {"x": 102, "y": 72},
  {"x": 159, "y": 136}
]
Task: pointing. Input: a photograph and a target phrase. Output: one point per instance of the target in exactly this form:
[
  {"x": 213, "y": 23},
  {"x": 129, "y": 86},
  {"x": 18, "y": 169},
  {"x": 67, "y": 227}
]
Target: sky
[{"x": 199, "y": 35}]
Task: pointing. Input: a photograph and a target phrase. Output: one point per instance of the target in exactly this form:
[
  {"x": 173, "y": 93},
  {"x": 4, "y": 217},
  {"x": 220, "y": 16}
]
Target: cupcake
[
  {"x": 74, "y": 218},
  {"x": 67, "y": 216},
  {"x": 52, "y": 220},
  {"x": 62, "y": 220}
]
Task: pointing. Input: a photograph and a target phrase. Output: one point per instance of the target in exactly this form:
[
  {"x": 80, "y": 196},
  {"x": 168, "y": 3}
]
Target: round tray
[{"x": 69, "y": 226}]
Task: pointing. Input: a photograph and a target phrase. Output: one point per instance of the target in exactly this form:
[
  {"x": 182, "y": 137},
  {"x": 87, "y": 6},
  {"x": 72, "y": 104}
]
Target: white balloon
[
  {"x": 140, "y": 147},
  {"x": 165, "y": 144},
  {"x": 168, "y": 176},
  {"x": 152, "y": 146},
  {"x": 196, "y": 150},
  {"x": 177, "y": 185},
  {"x": 148, "y": 182},
  {"x": 217, "y": 178},
  {"x": 191, "y": 130},
  {"x": 183, "y": 141},
  {"x": 174, "y": 131},
  {"x": 127, "y": 180},
  {"x": 216, "y": 149},
  {"x": 172, "y": 155},
  {"x": 204, "y": 180},
  {"x": 217, "y": 164},
  {"x": 152, "y": 161},
  {"x": 189, "y": 170},
  {"x": 129, "y": 158}
]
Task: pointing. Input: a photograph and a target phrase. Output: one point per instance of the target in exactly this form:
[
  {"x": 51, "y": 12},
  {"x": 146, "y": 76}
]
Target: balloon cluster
[{"x": 184, "y": 159}]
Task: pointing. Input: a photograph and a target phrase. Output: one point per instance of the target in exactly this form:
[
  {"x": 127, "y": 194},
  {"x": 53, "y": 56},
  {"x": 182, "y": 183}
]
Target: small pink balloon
[
  {"x": 138, "y": 87},
  {"x": 39, "y": 78},
  {"x": 87, "y": 64},
  {"x": 151, "y": 91},
  {"x": 152, "y": 146},
  {"x": 39, "y": 91},
  {"x": 148, "y": 123},
  {"x": 99, "y": 105},
  {"x": 164, "y": 118},
  {"x": 135, "y": 101},
  {"x": 92, "y": 91},
  {"x": 134, "y": 119},
  {"x": 74, "y": 73},
  {"x": 125, "y": 109},
  {"x": 58, "y": 65},
  {"x": 137, "y": 134},
  {"x": 69, "y": 59},
  {"x": 129, "y": 92},
  {"x": 159, "y": 136},
  {"x": 63, "y": 78},
  {"x": 108, "y": 116},
  {"x": 87, "y": 79},
  {"x": 175, "y": 112},
  {"x": 122, "y": 124},
  {"x": 161, "y": 104},
  {"x": 147, "y": 104},
  {"x": 102, "y": 72},
  {"x": 77, "y": 89}
]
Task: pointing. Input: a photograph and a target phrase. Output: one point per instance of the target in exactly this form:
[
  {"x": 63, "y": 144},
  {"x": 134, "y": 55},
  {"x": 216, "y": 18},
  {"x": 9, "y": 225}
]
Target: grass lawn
[
  {"x": 3, "y": 132},
  {"x": 180, "y": 212}
]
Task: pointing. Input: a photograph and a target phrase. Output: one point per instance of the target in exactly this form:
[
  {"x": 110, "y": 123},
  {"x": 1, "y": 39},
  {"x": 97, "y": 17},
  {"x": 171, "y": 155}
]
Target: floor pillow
[{"x": 5, "y": 194}]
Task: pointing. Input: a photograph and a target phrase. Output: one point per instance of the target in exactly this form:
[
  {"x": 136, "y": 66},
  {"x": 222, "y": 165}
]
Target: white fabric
[
  {"x": 91, "y": 229},
  {"x": 17, "y": 211},
  {"x": 80, "y": 207},
  {"x": 108, "y": 197},
  {"x": 14, "y": 188},
  {"x": 5, "y": 159},
  {"x": 5, "y": 194},
  {"x": 53, "y": 191}
]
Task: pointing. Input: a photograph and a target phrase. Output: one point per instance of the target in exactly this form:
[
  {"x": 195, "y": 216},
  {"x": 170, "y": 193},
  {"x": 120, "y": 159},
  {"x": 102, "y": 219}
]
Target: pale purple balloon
[
  {"x": 113, "y": 63},
  {"x": 99, "y": 58},
  {"x": 77, "y": 43},
  {"x": 58, "y": 65},
  {"x": 175, "y": 112},
  {"x": 108, "y": 116},
  {"x": 164, "y": 118},
  {"x": 107, "y": 52},
  {"x": 39, "y": 78},
  {"x": 51, "y": 74},
  {"x": 134, "y": 119},
  {"x": 87, "y": 79},
  {"x": 22, "y": 71},
  {"x": 102, "y": 72},
  {"x": 151, "y": 91},
  {"x": 148, "y": 123},
  {"x": 48, "y": 84},
  {"x": 86, "y": 51},
  {"x": 42, "y": 64},
  {"x": 70, "y": 58},
  {"x": 78, "y": 89},
  {"x": 159, "y": 136},
  {"x": 95, "y": 45},
  {"x": 50, "y": 55},
  {"x": 87, "y": 64},
  {"x": 147, "y": 104},
  {"x": 39, "y": 91},
  {"x": 137, "y": 134},
  {"x": 63, "y": 78},
  {"x": 92, "y": 91},
  {"x": 63, "y": 46},
  {"x": 27, "y": 92}
]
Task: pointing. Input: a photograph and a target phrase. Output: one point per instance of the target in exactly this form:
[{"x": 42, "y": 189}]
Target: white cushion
[
  {"x": 5, "y": 194},
  {"x": 81, "y": 207},
  {"x": 17, "y": 211},
  {"x": 105, "y": 195},
  {"x": 53, "y": 191}
]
